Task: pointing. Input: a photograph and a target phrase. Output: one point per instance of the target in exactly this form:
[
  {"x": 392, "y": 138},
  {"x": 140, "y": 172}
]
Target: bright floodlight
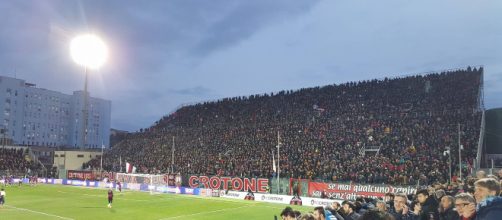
[{"x": 89, "y": 51}]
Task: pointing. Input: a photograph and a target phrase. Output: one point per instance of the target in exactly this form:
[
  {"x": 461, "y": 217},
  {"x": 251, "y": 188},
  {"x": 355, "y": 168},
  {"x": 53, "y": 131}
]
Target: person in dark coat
[
  {"x": 489, "y": 206},
  {"x": 349, "y": 209},
  {"x": 400, "y": 211},
  {"x": 446, "y": 211},
  {"x": 427, "y": 206}
]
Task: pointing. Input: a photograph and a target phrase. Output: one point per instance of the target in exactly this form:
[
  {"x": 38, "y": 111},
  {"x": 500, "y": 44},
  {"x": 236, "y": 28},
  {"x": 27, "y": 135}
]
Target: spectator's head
[
  {"x": 422, "y": 196},
  {"x": 388, "y": 197},
  {"x": 480, "y": 174},
  {"x": 319, "y": 213},
  {"x": 381, "y": 206},
  {"x": 335, "y": 206},
  {"x": 439, "y": 194},
  {"x": 307, "y": 216},
  {"x": 297, "y": 214},
  {"x": 500, "y": 173},
  {"x": 493, "y": 177},
  {"x": 376, "y": 215},
  {"x": 462, "y": 201},
  {"x": 358, "y": 206},
  {"x": 287, "y": 213},
  {"x": 485, "y": 188},
  {"x": 447, "y": 202},
  {"x": 348, "y": 208},
  {"x": 400, "y": 201},
  {"x": 360, "y": 199}
]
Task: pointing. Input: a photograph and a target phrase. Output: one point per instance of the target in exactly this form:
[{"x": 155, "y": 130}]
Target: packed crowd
[
  {"x": 13, "y": 161},
  {"x": 323, "y": 132},
  {"x": 480, "y": 200}
]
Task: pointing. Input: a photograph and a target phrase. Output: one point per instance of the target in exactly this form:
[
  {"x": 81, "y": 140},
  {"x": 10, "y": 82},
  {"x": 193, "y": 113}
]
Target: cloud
[{"x": 166, "y": 53}]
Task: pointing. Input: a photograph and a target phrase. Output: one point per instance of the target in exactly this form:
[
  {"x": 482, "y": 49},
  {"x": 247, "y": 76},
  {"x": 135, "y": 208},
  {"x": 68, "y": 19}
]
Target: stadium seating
[
  {"x": 14, "y": 162},
  {"x": 323, "y": 132}
]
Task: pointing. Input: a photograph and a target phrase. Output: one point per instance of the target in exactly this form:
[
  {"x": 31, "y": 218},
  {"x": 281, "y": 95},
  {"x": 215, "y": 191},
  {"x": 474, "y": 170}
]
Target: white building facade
[{"x": 33, "y": 116}]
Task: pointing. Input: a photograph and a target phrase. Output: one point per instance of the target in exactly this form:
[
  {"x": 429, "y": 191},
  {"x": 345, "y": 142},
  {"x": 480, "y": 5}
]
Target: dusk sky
[{"x": 164, "y": 54}]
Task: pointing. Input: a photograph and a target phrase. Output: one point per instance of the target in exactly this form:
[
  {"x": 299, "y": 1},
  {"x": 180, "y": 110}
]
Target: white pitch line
[
  {"x": 199, "y": 213},
  {"x": 42, "y": 213}
]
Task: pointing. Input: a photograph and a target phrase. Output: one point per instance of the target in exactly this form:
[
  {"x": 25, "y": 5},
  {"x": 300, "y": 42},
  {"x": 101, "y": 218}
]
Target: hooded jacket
[{"x": 489, "y": 209}]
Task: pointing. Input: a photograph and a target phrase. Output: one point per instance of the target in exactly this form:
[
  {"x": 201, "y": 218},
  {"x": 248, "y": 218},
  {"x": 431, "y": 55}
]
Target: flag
[
  {"x": 129, "y": 167},
  {"x": 273, "y": 163},
  {"x": 133, "y": 169}
]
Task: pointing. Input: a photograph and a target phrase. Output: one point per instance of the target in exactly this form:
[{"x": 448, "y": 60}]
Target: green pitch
[{"x": 68, "y": 202}]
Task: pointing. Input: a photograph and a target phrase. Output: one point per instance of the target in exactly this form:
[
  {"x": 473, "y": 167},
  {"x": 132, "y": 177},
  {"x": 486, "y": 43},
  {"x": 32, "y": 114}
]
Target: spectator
[
  {"x": 446, "y": 211},
  {"x": 335, "y": 209},
  {"x": 427, "y": 206},
  {"x": 288, "y": 214},
  {"x": 401, "y": 210},
  {"x": 381, "y": 206},
  {"x": 389, "y": 200},
  {"x": 307, "y": 216},
  {"x": 438, "y": 194},
  {"x": 466, "y": 206},
  {"x": 319, "y": 213},
  {"x": 349, "y": 211},
  {"x": 376, "y": 215},
  {"x": 489, "y": 204},
  {"x": 481, "y": 174}
]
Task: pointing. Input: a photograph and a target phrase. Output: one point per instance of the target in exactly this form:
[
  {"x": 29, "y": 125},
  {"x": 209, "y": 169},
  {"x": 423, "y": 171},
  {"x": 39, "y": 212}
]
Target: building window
[{"x": 80, "y": 155}]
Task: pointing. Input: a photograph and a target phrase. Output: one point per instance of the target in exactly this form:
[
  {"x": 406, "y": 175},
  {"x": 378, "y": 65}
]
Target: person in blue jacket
[{"x": 486, "y": 192}]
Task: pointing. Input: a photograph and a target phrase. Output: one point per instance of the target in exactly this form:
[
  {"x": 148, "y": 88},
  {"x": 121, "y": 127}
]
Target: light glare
[{"x": 89, "y": 51}]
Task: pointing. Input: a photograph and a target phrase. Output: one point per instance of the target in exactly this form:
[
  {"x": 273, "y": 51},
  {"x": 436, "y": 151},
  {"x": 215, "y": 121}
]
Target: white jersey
[{"x": 2, "y": 193}]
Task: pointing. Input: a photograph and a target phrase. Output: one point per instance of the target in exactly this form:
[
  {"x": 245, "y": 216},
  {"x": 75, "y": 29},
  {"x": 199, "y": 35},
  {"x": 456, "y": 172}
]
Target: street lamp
[{"x": 90, "y": 52}]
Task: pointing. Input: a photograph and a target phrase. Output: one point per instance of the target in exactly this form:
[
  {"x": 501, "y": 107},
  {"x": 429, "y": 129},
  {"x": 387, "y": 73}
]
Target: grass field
[{"x": 69, "y": 202}]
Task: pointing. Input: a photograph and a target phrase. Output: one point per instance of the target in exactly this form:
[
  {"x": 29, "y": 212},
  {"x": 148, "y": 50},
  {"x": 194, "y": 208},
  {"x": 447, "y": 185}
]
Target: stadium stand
[{"x": 323, "y": 132}]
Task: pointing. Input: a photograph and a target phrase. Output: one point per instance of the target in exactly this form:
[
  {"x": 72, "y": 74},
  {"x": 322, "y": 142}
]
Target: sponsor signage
[
  {"x": 188, "y": 191},
  {"x": 80, "y": 175},
  {"x": 282, "y": 199},
  {"x": 173, "y": 190},
  {"x": 238, "y": 184},
  {"x": 78, "y": 183},
  {"x": 233, "y": 194},
  {"x": 352, "y": 191},
  {"x": 314, "y": 202},
  {"x": 206, "y": 192}
]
